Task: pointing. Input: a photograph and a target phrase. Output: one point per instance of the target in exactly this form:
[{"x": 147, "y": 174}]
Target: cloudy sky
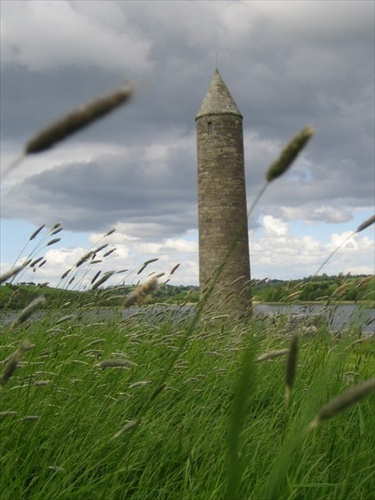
[{"x": 287, "y": 64}]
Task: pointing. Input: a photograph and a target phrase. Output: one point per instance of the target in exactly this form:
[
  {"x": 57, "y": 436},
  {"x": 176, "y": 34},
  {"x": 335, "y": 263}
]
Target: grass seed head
[
  {"x": 36, "y": 232},
  {"x": 9, "y": 274},
  {"x": 95, "y": 277},
  {"x": 367, "y": 223},
  {"x": 272, "y": 355},
  {"x": 84, "y": 258},
  {"x": 145, "y": 264},
  {"x": 109, "y": 252},
  {"x": 115, "y": 363},
  {"x": 65, "y": 274},
  {"x": 289, "y": 154},
  {"x": 13, "y": 362},
  {"x": 174, "y": 269},
  {"x": 28, "y": 311},
  {"x": 127, "y": 428},
  {"x": 111, "y": 231},
  {"x": 139, "y": 295},
  {"x": 52, "y": 242},
  {"x": 102, "y": 247},
  {"x": 9, "y": 413},
  {"x": 103, "y": 279},
  {"x": 78, "y": 119},
  {"x": 36, "y": 261},
  {"x": 343, "y": 401}
]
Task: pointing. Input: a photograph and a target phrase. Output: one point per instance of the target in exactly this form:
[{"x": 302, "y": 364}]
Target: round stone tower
[{"x": 222, "y": 211}]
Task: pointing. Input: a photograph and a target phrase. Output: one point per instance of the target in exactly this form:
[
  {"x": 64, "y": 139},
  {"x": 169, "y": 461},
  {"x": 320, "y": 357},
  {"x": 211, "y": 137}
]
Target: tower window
[{"x": 209, "y": 127}]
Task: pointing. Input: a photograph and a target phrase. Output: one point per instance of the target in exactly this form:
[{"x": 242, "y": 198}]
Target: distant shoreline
[{"x": 368, "y": 304}]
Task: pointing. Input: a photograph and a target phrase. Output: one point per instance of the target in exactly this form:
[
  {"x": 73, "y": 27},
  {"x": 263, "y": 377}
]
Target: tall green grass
[{"x": 219, "y": 428}]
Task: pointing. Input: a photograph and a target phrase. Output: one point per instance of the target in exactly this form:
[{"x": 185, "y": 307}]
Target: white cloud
[
  {"x": 71, "y": 153},
  {"x": 313, "y": 215},
  {"x": 180, "y": 245},
  {"x": 275, "y": 227},
  {"x": 277, "y": 253},
  {"x": 168, "y": 246}
]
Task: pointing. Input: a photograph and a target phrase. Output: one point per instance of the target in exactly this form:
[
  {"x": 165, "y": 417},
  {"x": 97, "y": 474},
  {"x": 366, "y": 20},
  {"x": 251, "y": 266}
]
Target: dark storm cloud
[
  {"x": 287, "y": 64},
  {"x": 91, "y": 196}
]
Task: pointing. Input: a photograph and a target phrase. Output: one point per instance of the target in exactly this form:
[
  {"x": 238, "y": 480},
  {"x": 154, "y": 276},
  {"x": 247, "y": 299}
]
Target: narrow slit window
[{"x": 209, "y": 127}]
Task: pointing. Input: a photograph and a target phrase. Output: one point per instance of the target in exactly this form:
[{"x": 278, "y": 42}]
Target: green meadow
[{"x": 181, "y": 410}]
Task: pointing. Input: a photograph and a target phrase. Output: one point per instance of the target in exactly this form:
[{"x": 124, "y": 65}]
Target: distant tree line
[
  {"x": 317, "y": 288},
  {"x": 311, "y": 289}
]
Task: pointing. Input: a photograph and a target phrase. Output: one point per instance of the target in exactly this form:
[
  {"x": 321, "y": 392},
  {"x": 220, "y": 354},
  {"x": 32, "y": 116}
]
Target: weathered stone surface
[
  {"x": 222, "y": 200},
  {"x": 218, "y": 99}
]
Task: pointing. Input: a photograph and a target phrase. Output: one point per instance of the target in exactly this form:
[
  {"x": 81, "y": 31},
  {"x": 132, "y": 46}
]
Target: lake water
[{"x": 337, "y": 317}]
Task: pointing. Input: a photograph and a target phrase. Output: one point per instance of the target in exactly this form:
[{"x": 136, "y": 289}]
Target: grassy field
[{"x": 187, "y": 413}]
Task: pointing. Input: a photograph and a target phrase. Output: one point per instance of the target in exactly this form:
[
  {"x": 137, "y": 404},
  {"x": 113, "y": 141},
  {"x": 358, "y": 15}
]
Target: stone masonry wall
[{"x": 222, "y": 210}]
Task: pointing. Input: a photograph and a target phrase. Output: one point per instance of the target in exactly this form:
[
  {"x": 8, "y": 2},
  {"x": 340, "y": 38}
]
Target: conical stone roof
[{"x": 218, "y": 99}]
